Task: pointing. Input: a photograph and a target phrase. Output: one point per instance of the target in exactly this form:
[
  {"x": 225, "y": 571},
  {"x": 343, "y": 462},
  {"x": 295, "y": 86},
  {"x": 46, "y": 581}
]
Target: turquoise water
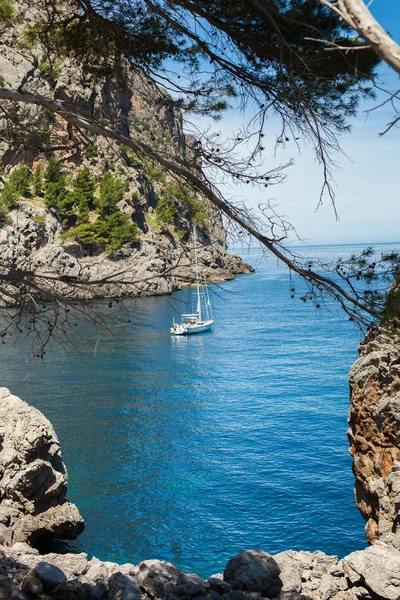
[{"x": 191, "y": 449}]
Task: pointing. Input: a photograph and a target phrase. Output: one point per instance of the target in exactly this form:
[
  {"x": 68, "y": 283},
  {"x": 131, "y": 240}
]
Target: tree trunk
[{"x": 357, "y": 15}]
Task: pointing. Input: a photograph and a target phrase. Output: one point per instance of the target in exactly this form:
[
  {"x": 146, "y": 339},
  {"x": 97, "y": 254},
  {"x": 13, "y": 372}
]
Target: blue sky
[{"x": 367, "y": 184}]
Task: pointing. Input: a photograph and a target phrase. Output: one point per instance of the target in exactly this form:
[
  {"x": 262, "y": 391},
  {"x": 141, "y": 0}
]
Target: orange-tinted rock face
[{"x": 374, "y": 433}]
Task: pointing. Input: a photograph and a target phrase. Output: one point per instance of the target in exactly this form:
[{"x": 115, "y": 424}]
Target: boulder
[
  {"x": 33, "y": 478},
  {"x": 158, "y": 578},
  {"x": 123, "y": 587},
  {"x": 101, "y": 571},
  {"x": 313, "y": 574},
  {"x": 376, "y": 568},
  {"x": 254, "y": 571},
  {"x": 217, "y": 584},
  {"x": 73, "y": 589},
  {"x": 190, "y": 584},
  {"x": 50, "y": 575},
  {"x": 31, "y": 585},
  {"x": 99, "y": 591},
  {"x": 75, "y": 564}
]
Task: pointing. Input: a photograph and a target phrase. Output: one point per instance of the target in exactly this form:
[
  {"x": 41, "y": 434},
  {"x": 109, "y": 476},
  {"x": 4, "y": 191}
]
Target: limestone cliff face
[
  {"x": 375, "y": 432},
  {"x": 162, "y": 253}
]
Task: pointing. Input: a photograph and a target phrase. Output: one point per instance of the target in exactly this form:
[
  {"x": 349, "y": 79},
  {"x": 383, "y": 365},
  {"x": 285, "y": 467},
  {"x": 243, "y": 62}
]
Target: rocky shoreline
[
  {"x": 33, "y": 486},
  {"x": 157, "y": 264}
]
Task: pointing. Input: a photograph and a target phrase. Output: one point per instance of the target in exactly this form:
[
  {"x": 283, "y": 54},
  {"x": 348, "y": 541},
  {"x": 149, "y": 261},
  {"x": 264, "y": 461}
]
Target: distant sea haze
[{"x": 191, "y": 449}]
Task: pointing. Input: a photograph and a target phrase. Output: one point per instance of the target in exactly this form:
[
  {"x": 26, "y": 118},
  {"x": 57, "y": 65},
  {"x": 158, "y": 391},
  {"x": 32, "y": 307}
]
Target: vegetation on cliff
[{"x": 89, "y": 209}]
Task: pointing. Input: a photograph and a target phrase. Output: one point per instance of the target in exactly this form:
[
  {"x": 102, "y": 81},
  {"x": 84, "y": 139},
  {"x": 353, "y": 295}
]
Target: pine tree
[
  {"x": 54, "y": 170},
  {"x": 38, "y": 181},
  {"x": 21, "y": 180},
  {"x": 84, "y": 186},
  {"x": 111, "y": 192},
  {"x": 120, "y": 230},
  {"x": 56, "y": 193},
  {"x": 9, "y": 199}
]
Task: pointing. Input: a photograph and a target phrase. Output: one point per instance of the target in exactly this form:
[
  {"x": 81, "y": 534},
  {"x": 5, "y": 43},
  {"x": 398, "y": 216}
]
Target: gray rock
[
  {"x": 31, "y": 585},
  {"x": 73, "y": 589},
  {"x": 254, "y": 571},
  {"x": 50, "y": 575},
  {"x": 190, "y": 584},
  {"x": 313, "y": 574},
  {"x": 101, "y": 571},
  {"x": 233, "y": 595},
  {"x": 99, "y": 591},
  {"x": 123, "y": 587},
  {"x": 128, "y": 569},
  {"x": 33, "y": 478},
  {"x": 76, "y": 564},
  {"x": 7, "y": 588},
  {"x": 20, "y": 595},
  {"x": 157, "y": 577},
  {"x": 218, "y": 585},
  {"x": 24, "y": 548},
  {"x": 376, "y": 568}
]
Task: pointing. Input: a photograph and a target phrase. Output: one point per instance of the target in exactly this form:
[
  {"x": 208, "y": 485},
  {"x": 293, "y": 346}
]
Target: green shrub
[
  {"x": 2, "y": 81},
  {"x": 54, "y": 170},
  {"x": 9, "y": 199},
  {"x": 3, "y": 214},
  {"x": 121, "y": 230},
  {"x": 89, "y": 234},
  {"x": 111, "y": 192},
  {"x": 19, "y": 184},
  {"x": 166, "y": 210},
  {"x": 56, "y": 194},
  {"x": 135, "y": 198},
  {"x": 38, "y": 219},
  {"x": 21, "y": 180},
  {"x": 38, "y": 181},
  {"x": 49, "y": 70},
  {"x": 131, "y": 159},
  {"x": 181, "y": 233},
  {"x": 91, "y": 151},
  {"x": 153, "y": 174},
  {"x": 197, "y": 212},
  {"x": 110, "y": 232},
  {"x": 175, "y": 194},
  {"x": 6, "y": 10}
]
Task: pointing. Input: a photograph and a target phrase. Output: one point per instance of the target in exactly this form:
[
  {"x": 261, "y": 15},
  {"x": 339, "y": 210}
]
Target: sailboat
[{"x": 201, "y": 318}]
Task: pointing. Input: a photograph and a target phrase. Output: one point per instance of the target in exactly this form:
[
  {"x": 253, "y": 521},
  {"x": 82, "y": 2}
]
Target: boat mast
[{"x": 197, "y": 273}]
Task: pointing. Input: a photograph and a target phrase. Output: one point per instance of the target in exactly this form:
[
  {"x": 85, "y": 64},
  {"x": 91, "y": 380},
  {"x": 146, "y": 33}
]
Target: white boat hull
[{"x": 190, "y": 328}]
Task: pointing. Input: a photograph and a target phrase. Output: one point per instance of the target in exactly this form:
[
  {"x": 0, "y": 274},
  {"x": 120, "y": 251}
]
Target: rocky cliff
[
  {"x": 375, "y": 432},
  {"x": 33, "y": 478},
  {"x": 98, "y": 209},
  {"x": 33, "y": 504}
]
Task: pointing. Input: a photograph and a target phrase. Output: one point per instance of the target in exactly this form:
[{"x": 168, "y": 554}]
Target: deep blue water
[{"x": 193, "y": 449}]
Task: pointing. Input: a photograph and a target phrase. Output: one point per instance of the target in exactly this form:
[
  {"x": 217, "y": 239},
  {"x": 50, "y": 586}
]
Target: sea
[{"x": 192, "y": 449}]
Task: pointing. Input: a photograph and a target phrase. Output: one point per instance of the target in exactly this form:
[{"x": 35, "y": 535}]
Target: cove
[{"x": 193, "y": 449}]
